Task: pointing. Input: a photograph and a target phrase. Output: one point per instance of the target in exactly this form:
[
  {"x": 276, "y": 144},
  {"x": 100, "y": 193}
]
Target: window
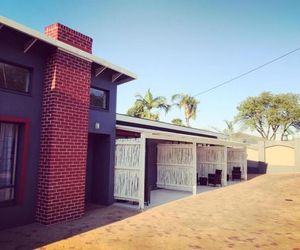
[
  {"x": 99, "y": 98},
  {"x": 14, "y": 77},
  {"x": 8, "y": 160}
]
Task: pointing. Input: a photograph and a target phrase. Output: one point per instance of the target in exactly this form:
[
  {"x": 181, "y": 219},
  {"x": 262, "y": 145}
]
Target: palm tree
[
  {"x": 136, "y": 110},
  {"x": 189, "y": 105},
  {"x": 229, "y": 130},
  {"x": 145, "y": 105}
]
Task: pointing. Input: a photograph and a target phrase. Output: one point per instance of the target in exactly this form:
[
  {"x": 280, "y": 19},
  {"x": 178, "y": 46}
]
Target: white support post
[
  {"x": 195, "y": 168},
  {"x": 225, "y": 168},
  {"x": 142, "y": 172}
]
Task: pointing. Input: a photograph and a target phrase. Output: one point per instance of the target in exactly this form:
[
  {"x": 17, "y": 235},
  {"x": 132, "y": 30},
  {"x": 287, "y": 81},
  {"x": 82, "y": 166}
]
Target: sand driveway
[{"x": 263, "y": 213}]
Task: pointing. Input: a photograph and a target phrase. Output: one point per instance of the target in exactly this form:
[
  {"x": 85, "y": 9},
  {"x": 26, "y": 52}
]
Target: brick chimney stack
[
  {"x": 64, "y": 131},
  {"x": 65, "y": 34}
]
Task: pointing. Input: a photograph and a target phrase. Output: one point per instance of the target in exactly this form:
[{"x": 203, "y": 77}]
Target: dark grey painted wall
[
  {"x": 98, "y": 188},
  {"x": 256, "y": 167},
  {"x": 151, "y": 163},
  {"x": 23, "y": 106},
  {"x": 106, "y": 118},
  {"x": 102, "y": 145}
]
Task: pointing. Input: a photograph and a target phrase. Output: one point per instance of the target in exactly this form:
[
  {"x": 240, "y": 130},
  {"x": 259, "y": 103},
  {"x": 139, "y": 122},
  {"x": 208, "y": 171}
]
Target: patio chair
[
  {"x": 216, "y": 178},
  {"x": 236, "y": 173}
]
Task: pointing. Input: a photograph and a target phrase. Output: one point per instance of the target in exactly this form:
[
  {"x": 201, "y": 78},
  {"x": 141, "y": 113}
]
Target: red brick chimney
[
  {"x": 64, "y": 131},
  {"x": 69, "y": 36}
]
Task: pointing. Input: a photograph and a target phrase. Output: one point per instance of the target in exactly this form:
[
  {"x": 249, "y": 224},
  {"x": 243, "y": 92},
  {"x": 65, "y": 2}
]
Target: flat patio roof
[
  {"x": 135, "y": 122},
  {"x": 163, "y": 135}
]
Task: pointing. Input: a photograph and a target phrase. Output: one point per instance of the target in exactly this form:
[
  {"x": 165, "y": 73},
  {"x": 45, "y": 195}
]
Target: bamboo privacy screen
[
  {"x": 175, "y": 168},
  {"x": 209, "y": 159},
  {"x": 128, "y": 170},
  {"x": 237, "y": 157}
]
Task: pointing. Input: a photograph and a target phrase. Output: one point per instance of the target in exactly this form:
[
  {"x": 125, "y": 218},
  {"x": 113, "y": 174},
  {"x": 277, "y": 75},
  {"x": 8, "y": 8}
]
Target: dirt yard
[{"x": 263, "y": 213}]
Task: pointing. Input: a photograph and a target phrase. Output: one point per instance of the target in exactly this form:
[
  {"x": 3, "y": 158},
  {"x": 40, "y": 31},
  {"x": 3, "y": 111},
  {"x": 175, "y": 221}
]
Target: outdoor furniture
[
  {"x": 236, "y": 173},
  {"x": 216, "y": 178},
  {"x": 203, "y": 181}
]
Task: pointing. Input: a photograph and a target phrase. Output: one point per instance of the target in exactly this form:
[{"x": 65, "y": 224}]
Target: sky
[{"x": 184, "y": 46}]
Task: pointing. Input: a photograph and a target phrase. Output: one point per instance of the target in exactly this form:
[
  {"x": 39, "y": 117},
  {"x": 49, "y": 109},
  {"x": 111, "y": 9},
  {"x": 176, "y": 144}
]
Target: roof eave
[
  {"x": 162, "y": 135},
  {"x": 67, "y": 48}
]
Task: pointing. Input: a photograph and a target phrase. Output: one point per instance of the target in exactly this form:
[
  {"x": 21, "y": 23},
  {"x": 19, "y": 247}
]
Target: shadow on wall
[{"x": 257, "y": 167}]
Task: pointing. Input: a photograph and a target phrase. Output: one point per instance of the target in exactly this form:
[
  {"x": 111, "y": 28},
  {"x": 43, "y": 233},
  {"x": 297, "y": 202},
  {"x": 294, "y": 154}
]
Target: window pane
[
  {"x": 8, "y": 158},
  {"x": 7, "y": 194},
  {"x": 98, "y": 98},
  {"x": 16, "y": 78}
]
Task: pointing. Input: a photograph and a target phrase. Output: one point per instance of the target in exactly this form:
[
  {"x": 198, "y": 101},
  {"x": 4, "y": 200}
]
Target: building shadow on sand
[{"x": 36, "y": 235}]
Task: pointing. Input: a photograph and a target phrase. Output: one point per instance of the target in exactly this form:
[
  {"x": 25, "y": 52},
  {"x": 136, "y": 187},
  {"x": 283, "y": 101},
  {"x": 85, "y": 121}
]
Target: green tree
[
  {"x": 136, "y": 110},
  {"x": 288, "y": 113},
  {"x": 270, "y": 115},
  {"x": 189, "y": 105},
  {"x": 177, "y": 121},
  {"x": 148, "y": 106}
]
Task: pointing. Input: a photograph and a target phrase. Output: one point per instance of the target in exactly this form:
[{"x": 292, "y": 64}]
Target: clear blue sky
[{"x": 184, "y": 46}]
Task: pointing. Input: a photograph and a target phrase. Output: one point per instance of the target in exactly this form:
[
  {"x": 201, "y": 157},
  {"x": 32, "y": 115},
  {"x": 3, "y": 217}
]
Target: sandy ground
[
  {"x": 263, "y": 213},
  {"x": 36, "y": 235}
]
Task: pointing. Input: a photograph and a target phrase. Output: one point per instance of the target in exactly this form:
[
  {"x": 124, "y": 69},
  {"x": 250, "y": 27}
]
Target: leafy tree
[
  {"x": 177, "y": 121},
  {"x": 145, "y": 106},
  {"x": 270, "y": 114},
  {"x": 189, "y": 105},
  {"x": 288, "y": 113}
]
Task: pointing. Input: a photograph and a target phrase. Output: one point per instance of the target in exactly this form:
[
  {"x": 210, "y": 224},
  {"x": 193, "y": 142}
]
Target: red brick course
[
  {"x": 69, "y": 36},
  {"x": 63, "y": 150}
]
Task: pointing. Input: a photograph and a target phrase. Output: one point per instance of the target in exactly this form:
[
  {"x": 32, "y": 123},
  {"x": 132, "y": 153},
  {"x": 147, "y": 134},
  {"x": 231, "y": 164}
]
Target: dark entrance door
[
  {"x": 98, "y": 172},
  {"x": 151, "y": 168}
]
